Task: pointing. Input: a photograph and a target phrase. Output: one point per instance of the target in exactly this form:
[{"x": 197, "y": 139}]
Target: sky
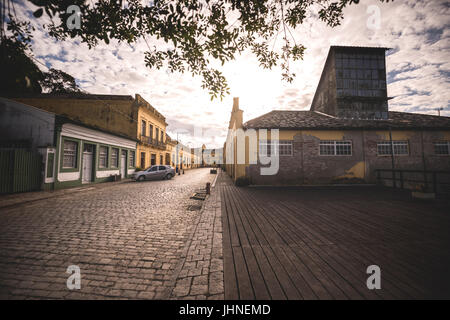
[{"x": 418, "y": 68}]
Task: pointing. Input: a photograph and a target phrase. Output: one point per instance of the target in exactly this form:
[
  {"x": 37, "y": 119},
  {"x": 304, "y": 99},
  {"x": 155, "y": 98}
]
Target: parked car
[{"x": 154, "y": 173}]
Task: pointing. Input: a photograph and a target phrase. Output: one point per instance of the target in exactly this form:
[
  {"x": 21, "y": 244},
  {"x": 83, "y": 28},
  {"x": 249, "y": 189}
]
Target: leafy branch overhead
[
  {"x": 20, "y": 72},
  {"x": 197, "y": 32}
]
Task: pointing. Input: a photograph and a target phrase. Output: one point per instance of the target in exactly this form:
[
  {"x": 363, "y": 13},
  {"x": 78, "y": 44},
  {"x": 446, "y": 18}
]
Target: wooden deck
[{"x": 300, "y": 243}]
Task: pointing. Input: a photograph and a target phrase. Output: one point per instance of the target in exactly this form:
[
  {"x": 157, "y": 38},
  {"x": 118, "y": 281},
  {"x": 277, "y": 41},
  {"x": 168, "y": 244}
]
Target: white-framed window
[
  {"x": 70, "y": 154},
  {"x": 115, "y": 157},
  {"x": 400, "y": 148},
  {"x": 103, "y": 157},
  {"x": 132, "y": 159},
  {"x": 442, "y": 147},
  {"x": 269, "y": 148},
  {"x": 335, "y": 148}
]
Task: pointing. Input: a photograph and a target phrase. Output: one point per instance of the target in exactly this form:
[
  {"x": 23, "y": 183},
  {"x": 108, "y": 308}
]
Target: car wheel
[
  {"x": 141, "y": 178},
  {"x": 168, "y": 176}
]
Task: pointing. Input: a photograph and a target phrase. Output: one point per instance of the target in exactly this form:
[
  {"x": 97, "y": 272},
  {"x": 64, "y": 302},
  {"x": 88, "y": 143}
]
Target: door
[
  {"x": 123, "y": 164},
  {"x": 162, "y": 170},
  {"x": 88, "y": 159},
  {"x": 152, "y": 173},
  {"x": 142, "y": 160}
]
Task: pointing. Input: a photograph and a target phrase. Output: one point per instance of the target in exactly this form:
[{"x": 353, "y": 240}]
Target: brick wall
[{"x": 306, "y": 166}]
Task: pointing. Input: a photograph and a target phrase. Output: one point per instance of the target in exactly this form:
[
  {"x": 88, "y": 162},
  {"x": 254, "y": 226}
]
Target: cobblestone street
[{"x": 130, "y": 240}]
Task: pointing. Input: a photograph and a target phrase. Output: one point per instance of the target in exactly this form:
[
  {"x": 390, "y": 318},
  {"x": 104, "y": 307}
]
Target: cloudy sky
[{"x": 418, "y": 68}]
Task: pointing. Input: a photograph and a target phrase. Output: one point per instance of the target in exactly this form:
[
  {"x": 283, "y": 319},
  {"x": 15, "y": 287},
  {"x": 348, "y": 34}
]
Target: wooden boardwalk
[{"x": 299, "y": 243}]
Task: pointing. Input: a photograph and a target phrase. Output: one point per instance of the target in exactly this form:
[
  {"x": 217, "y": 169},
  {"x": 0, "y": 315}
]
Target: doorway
[
  {"x": 88, "y": 163},
  {"x": 123, "y": 164}
]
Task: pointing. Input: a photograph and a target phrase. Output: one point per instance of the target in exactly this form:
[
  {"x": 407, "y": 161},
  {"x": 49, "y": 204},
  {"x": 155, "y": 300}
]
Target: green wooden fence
[{"x": 20, "y": 171}]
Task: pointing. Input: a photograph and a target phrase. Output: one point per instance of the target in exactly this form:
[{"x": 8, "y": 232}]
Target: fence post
[
  {"x": 434, "y": 182},
  {"x": 394, "y": 183},
  {"x": 401, "y": 179}
]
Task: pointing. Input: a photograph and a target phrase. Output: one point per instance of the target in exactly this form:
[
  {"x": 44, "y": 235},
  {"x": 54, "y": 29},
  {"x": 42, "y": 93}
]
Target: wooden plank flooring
[{"x": 300, "y": 243}]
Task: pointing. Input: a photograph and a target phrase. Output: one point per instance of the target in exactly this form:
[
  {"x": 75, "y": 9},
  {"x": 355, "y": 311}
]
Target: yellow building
[
  {"x": 123, "y": 115},
  {"x": 286, "y": 147},
  {"x": 151, "y": 133},
  {"x": 120, "y": 114}
]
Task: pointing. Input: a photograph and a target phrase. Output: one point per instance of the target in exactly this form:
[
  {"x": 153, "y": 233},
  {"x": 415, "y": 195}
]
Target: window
[
  {"x": 285, "y": 148},
  {"x": 132, "y": 159},
  {"x": 442, "y": 147},
  {"x": 157, "y": 134},
  {"x": 115, "y": 158},
  {"x": 143, "y": 128},
  {"x": 335, "y": 148},
  {"x": 70, "y": 154},
  {"x": 103, "y": 157},
  {"x": 151, "y": 131},
  {"x": 142, "y": 160},
  {"x": 400, "y": 148},
  {"x": 162, "y": 136},
  {"x": 268, "y": 148}
]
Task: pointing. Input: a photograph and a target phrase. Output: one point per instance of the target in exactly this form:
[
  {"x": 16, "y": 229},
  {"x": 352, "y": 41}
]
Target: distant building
[
  {"x": 346, "y": 135},
  {"x": 43, "y": 150}
]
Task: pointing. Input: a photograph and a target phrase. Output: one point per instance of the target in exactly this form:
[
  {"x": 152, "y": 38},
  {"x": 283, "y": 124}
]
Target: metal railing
[
  {"x": 424, "y": 180},
  {"x": 152, "y": 142}
]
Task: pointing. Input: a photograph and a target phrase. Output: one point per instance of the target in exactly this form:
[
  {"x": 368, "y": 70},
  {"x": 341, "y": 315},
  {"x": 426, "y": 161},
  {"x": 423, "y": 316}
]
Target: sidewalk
[
  {"x": 199, "y": 274},
  {"x": 9, "y": 200}
]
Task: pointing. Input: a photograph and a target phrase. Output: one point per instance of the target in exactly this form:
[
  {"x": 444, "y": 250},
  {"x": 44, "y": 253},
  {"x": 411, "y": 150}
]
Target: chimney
[
  {"x": 236, "y": 115},
  {"x": 235, "y": 104}
]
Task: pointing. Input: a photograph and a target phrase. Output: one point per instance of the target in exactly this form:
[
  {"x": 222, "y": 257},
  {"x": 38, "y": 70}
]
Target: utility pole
[
  {"x": 176, "y": 163},
  {"x": 392, "y": 158},
  {"x": 439, "y": 111}
]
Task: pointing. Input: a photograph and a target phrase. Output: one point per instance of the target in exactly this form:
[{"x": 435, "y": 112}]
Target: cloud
[{"x": 418, "y": 66}]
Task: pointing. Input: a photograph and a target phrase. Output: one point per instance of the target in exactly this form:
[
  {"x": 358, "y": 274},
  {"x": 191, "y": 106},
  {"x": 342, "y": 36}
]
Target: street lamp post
[{"x": 178, "y": 169}]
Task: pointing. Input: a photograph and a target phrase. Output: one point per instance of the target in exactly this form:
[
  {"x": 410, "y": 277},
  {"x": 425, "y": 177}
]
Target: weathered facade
[
  {"x": 120, "y": 114},
  {"x": 344, "y": 138},
  {"x": 72, "y": 153},
  {"x": 151, "y": 132},
  {"x": 353, "y": 84}
]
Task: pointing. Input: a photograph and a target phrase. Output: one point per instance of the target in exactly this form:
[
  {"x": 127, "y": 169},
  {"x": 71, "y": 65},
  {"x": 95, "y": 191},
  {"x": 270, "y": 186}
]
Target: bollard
[{"x": 208, "y": 188}]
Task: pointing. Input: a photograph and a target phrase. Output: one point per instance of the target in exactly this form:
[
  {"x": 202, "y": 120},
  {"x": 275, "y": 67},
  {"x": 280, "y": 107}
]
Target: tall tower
[{"x": 353, "y": 84}]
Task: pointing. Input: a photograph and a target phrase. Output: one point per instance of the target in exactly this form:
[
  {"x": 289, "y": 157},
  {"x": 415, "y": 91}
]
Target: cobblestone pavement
[
  {"x": 201, "y": 266},
  {"x": 128, "y": 240}
]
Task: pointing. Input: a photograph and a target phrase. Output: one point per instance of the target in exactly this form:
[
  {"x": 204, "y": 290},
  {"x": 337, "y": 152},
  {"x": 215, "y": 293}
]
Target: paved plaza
[
  {"x": 149, "y": 240},
  {"x": 127, "y": 239}
]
